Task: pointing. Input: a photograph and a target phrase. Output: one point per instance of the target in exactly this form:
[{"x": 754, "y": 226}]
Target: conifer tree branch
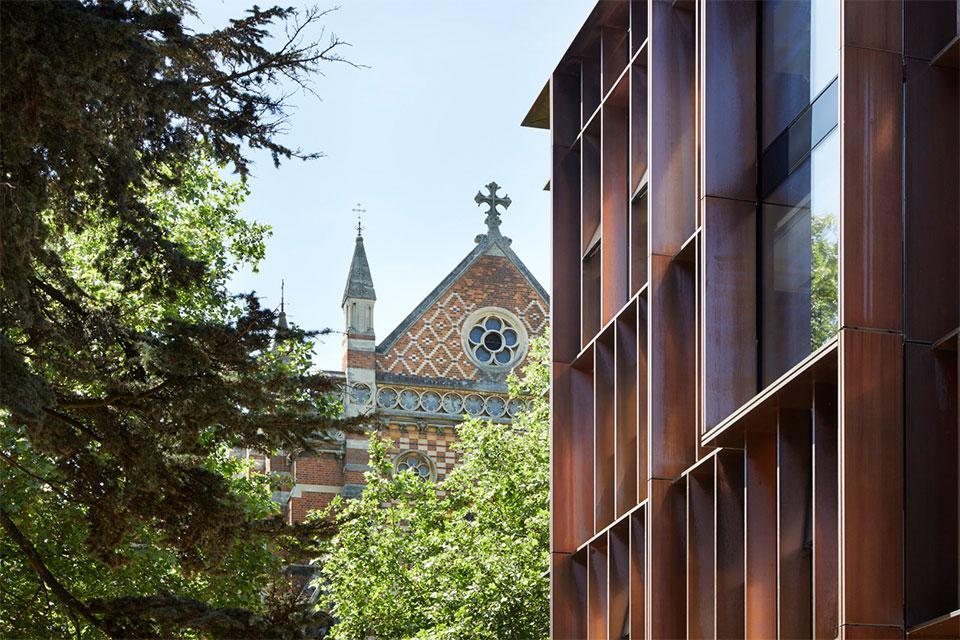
[{"x": 46, "y": 577}]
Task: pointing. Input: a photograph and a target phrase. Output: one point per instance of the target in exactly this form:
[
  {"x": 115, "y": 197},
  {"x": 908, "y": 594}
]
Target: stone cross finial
[{"x": 492, "y": 200}]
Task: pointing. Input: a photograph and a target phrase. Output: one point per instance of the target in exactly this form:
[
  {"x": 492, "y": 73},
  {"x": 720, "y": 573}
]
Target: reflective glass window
[
  {"x": 799, "y": 180},
  {"x": 799, "y": 270}
]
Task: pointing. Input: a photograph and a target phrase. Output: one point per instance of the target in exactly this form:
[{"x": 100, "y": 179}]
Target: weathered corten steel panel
[
  {"x": 870, "y": 243},
  {"x": 729, "y": 62},
  {"x": 877, "y": 24},
  {"x": 604, "y": 426},
  {"x": 864, "y": 632},
  {"x": 701, "y": 533},
  {"x": 761, "y": 534},
  {"x": 671, "y": 374},
  {"x": 729, "y": 307},
  {"x": 729, "y": 483},
  {"x": 615, "y": 270},
  {"x": 638, "y": 573},
  {"x": 568, "y": 604},
  {"x": 932, "y": 199},
  {"x": 826, "y": 550},
  {"x": 627, "y": 445},
  {"x": 619, "y": 566},
  {"x": 565, "y": 236},
  {"x": 597, "y": 589},
  {"x": 666, "y": 555},
  {"x": 930, "y": 379},
  {"x": 672, "y": 143},
  {"x": 871, "y": 477},
  {"x": 794, "y": 511}
]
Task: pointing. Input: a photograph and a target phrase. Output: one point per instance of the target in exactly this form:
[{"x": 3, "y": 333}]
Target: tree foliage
[
  {"x": 127, "y": 365},
  {"x": 462, "y": 559},
  {"x": 824, "y": 280}
]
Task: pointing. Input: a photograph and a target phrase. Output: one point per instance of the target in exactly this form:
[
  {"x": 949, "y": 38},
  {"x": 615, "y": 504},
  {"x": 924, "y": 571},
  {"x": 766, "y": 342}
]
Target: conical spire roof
[
  {"x": 282, "y": 316},
  {"x": 359, "y": 281}
]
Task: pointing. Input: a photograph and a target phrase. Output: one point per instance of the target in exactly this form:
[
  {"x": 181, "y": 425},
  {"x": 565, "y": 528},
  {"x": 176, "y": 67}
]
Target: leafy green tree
[
  {"x": 128, "y": 368},
  {"x": 462, "y": 559},
  {"x": 824, "y": 279}
]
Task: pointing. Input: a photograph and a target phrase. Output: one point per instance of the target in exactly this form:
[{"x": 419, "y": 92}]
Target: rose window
[
  {"x": 417, "y": 462},
  {"x": 494, "y": 339}
]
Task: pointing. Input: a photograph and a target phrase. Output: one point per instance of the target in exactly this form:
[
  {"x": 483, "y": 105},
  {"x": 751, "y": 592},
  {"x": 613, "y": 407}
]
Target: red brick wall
[
  {"x": 357, "y": 359},
  {"x": 298, "y": 508},
  {"x": 325, "y": 469}
]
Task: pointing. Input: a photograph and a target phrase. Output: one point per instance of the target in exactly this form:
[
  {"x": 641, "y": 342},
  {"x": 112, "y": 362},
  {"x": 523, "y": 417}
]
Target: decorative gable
[{"x": 431, "y": 343}]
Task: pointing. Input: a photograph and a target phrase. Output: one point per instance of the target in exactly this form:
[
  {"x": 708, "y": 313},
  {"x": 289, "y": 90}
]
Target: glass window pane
[
  {"x": 785, "y": 64},
  {"x": 799, "y": 261},
  {"x": 800, "y": 57},
  {"x": 824, "y": 44}
]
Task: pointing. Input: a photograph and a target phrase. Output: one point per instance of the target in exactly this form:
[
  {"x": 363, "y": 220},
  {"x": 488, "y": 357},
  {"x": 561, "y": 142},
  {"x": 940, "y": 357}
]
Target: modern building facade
[
  {"x": 449, "y": 358},
  {"x": 755, "y": 314}
]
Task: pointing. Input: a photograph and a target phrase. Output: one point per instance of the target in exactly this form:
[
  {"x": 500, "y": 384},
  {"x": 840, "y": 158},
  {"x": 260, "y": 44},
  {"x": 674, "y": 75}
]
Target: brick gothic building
[{"x": 449, "y": 357}]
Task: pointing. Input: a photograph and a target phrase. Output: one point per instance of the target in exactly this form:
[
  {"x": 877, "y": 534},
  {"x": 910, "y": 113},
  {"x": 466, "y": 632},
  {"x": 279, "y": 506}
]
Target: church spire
[
  {"x": 282, "y": 316},
  {"x": 359, "y": 281},
  {"x": 359, "y": 339}
]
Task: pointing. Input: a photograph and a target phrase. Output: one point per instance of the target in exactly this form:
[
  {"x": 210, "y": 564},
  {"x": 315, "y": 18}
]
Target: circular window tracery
[
  {"x": 494, "y": 339},
  {"x": 452, "y": 403},
  {"x": 496, "y": 406},
  {"x": 387, "y": 398},
  {"x": 419, "y": 463},
  {"x": 430, "y": 401},
  {"x": 409, "y": 399},
  {"x": 474, "y": 404},
  {"x": 361, "y": 393}
]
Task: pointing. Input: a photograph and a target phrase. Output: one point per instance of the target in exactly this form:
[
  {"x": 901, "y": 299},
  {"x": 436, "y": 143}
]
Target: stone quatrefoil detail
[{"x": 450, "y": 403}]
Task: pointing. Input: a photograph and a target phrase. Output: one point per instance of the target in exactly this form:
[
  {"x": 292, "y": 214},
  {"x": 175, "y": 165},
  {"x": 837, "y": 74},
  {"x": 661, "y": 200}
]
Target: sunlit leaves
[{"x": 462, "y": 559}]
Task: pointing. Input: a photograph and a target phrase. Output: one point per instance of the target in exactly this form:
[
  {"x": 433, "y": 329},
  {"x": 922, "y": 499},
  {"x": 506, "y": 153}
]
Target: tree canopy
[
  {"x": 128, "y": 367},
  {"x": 465, "y": 558}
]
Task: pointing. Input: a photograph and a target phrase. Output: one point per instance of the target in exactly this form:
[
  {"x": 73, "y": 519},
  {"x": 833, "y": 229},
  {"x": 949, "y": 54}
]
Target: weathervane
[
  {"x": 357, "y": 210},
  {"x": 492, "y": 200}
]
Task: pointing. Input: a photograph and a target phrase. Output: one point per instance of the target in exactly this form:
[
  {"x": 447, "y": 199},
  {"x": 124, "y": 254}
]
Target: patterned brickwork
[
  {"x": 331, "y": 472},
  {"x": 432, "y": 345},
  {"x": 437, "y": 446}
]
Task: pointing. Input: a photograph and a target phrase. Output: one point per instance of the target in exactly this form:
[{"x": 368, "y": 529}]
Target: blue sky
[{"x": 413, "y": 137}]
